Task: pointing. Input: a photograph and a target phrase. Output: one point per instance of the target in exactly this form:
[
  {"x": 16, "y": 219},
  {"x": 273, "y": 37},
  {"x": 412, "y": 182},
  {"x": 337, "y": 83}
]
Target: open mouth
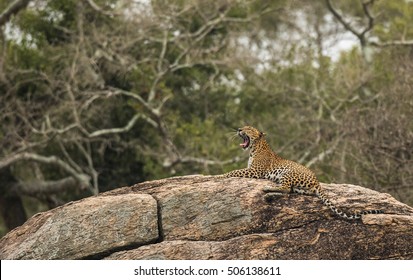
[{"x": 246, "y": 142}]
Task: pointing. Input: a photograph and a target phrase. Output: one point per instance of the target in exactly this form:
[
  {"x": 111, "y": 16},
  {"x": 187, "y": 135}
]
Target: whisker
[{"x": 232, "y": 136}]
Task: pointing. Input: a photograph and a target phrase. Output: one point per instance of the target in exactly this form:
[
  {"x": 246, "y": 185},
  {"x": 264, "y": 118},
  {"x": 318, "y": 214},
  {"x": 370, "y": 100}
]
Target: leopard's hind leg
[{"x": 275, "y": 191}]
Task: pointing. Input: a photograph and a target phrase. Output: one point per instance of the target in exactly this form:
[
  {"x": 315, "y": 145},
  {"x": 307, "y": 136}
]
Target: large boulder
[{"x": 204, "y": 217}]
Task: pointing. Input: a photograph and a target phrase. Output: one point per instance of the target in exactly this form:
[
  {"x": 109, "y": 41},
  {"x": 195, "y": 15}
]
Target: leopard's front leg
[{"x": 244, "y": 173}]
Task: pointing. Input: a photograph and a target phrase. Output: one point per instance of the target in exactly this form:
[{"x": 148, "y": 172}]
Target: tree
[{"x": 86, "y": 90}]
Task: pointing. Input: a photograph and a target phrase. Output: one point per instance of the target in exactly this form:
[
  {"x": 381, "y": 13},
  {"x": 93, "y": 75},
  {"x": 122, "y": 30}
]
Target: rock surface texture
[{"x": 203, "y": 217}]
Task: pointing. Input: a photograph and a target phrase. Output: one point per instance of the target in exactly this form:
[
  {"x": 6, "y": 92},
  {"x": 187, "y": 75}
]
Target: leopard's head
[{"x": 250, "y": 136}]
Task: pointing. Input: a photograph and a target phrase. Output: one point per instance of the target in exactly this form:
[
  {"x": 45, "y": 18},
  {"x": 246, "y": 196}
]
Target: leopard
[{"x": 289, "y": 176}]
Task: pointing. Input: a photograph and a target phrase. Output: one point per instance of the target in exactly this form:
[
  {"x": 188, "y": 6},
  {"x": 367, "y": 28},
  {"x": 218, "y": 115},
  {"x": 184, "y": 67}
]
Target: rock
[
  {"x": 84, "y": 228},
  {"x": 205, "y": 217}
]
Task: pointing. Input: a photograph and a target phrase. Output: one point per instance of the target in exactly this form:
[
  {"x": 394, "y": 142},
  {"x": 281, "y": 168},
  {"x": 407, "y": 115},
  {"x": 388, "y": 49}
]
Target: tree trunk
[{"x": 12, "y": 211}]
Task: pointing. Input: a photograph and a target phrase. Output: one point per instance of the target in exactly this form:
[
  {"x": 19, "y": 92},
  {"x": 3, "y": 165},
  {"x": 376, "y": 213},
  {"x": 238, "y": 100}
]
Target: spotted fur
[{"x": 288, "y": 175}]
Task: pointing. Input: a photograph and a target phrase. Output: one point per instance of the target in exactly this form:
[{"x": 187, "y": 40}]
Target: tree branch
[
  {"x": 209, "y": 161},
  {"x": 12, "y": 9},
  {"x": 323, "y": 154},
  {"x": 116, "y": 130},
  {"x": 405, "y": 43},
  {"x": 136, "y": 97},
  {"x": 48, "y": 187},
  {"x": 342, "y": 21},
  {"x": 97, "y": 8},
  {"x": 48, "y": 160},
  {"x": 362, "y": 35},
  {"x": 370, "y": 18}
]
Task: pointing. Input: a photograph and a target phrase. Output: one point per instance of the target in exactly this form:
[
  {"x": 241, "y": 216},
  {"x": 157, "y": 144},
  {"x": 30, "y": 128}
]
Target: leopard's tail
[{"x": 357, "y": 215}]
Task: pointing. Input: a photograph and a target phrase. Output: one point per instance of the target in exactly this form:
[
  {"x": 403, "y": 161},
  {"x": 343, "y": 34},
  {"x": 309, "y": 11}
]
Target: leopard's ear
[{"x": 262, "y": 134}]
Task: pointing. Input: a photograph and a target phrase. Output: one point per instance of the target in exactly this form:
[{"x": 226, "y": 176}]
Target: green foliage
[{"x": 397, "y": 20}]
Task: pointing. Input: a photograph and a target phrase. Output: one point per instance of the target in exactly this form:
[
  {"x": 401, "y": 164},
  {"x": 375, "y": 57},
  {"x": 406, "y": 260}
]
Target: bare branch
[
  {"x": 68, "y": 157},
  {"x": 97, "y": 8},
  {"x": 116, "y": 130},
  {"x": 12, "y": 9},
  {"x": 342, "y": 21},
  {"x": 209, "y": 161},
  {"x": 87, "y": 153},
  {"x": 156, "y": 121},
  {"x": 323, "y": 154},
  {"x": 48, "y": 187},
  {"x": 203, "y": 161},
  {"x": 48, "y": 160},
  {"x": 163, "y": 51},
  {"x": 370, "y": 18},
  {"x": 196, "y": 37},
  {"x": 136, "y": 97},
  {"x": 48, "y": 128},
  {"x": 362, "y": 35},
  {"x": 405, "y": 43},
  {"x": 161, "y": 72}
]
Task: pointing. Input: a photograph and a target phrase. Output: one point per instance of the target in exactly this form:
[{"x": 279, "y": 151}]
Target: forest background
[{"x": 99, "y": 94}]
